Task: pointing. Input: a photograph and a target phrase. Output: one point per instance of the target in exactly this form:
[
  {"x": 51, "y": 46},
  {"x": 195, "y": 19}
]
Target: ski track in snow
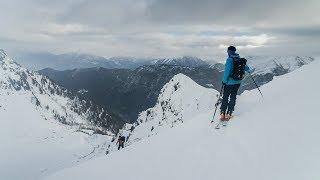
[{"x": 271, "y": 139}]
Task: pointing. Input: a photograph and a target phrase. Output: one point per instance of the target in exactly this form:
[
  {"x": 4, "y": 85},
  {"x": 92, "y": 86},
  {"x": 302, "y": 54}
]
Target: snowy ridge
[
  {"x": 16, "y": 80},
  {"x": 176, "y": 104},
  {"x": 277, "y": 145},
  {"x": 179, "y": 100},
  {"x": 44, "y": 124},
  {"x": 277, "y": 65},
  {"x": 57, "y": 102}
]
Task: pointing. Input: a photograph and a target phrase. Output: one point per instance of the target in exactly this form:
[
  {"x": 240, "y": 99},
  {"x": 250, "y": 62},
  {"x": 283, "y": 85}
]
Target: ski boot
[
  {"x": 228, "y": 116},
  {"x": 222, "y": 117}
]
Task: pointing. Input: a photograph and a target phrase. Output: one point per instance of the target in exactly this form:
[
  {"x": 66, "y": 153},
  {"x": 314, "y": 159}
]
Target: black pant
[
  {"x": 121, "y": 145},
  {"x": 229, "y": 91}
]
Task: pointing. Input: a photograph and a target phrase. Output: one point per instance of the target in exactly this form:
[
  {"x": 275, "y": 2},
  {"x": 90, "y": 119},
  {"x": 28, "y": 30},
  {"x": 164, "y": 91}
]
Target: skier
[
  {"x": 234, "y": 71},
  {"x": 121, "y": 140}
]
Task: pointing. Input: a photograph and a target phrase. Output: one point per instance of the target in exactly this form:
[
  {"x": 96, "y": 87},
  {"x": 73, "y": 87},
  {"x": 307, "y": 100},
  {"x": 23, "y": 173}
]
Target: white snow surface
[
  {"x": 275, "y": 138},
  {"x": 33, "y": 143}
]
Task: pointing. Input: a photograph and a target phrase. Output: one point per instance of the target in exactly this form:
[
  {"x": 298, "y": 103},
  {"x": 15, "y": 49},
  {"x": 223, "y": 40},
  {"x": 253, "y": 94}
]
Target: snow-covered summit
[
  {"x": 177, "y": 97},
  {"x": 179, "y": 101}
]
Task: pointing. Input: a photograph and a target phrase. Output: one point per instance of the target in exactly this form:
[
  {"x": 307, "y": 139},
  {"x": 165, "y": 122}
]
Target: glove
[{"x": 223, "y": 84}]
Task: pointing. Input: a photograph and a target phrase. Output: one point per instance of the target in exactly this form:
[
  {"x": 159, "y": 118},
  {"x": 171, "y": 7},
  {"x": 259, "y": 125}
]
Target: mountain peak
[
  {"x": 3, "y": 54},
  {"x": 176, "y": 103},
  {"x": 182, "y": 79}
]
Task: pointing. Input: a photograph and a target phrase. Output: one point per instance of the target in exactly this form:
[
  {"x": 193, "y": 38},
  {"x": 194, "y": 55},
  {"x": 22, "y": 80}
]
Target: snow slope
[
  {"x": 275, "y": 138},
  {"x": 42, "y": 130}
]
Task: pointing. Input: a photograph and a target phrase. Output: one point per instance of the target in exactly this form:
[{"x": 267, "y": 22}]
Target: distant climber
[
  {"x": 234, "y": 72},
  {"x": 132, "y": 128},
  {"x": 120, "y": 142}
]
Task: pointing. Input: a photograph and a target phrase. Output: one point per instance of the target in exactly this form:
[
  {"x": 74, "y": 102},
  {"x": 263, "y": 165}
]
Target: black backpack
[
  {"x": 239, "y": 65},
  {"x": 122, "y": 138}
]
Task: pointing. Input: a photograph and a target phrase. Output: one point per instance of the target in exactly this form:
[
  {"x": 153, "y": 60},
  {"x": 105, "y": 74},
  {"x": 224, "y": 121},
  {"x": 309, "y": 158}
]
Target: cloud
[
  {"x": 242, "y": 12},
  {"x": 161, "y": 27}
]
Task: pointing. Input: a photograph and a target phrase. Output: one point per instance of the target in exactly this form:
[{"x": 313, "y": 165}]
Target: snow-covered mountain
[
  {"x": 267, "y": 67},
  {"x": 267, "y": 139},
  {"x": 176, "y": 103},
  {"x": 278, "y": 65},
  {"x": 43, "y": 126},
  {"x": 182, "y": 61},
  {"x": 69, "y": 108},
  {"x": 68, "y": 61}
]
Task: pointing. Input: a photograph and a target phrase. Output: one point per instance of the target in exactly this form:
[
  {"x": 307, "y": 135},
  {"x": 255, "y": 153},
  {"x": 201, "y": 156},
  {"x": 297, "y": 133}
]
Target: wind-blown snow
[{"x": 275, "y": 138}]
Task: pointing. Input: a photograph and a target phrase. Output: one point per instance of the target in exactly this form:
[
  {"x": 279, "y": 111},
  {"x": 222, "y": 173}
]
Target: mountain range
[
  {"x": 126, "y": 91},
  {"x": 130, "y": 91},
  {"x": 67, "y": 61}
]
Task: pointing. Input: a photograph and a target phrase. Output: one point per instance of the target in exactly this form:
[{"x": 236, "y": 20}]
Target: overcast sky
[{"x": 161, "y": 28}]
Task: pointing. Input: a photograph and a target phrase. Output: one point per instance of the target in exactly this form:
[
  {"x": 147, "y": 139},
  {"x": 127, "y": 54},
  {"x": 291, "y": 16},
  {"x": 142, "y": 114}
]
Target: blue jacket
[{"x": 227, "y": 79}]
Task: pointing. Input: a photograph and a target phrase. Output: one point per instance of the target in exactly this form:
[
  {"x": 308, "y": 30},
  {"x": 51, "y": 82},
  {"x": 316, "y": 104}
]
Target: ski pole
[
  {"x": 256, "y": 85},
  {"x": 217, "y": 103}
]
